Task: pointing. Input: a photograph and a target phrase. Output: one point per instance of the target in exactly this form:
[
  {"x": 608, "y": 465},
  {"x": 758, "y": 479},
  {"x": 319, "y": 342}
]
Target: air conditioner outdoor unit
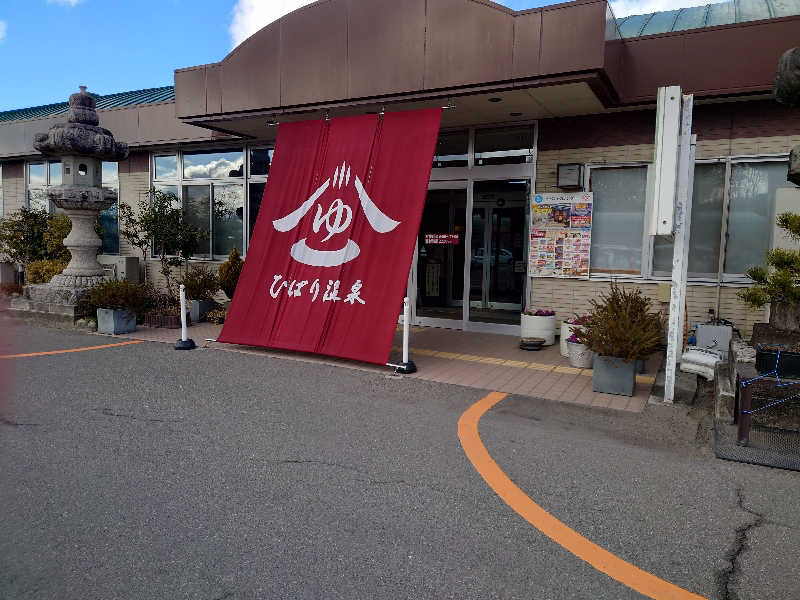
[{"x": 120, "y": 267}]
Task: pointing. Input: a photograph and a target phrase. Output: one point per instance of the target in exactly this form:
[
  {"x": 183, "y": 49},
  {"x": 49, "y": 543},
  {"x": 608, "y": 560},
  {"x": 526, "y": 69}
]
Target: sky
[{"x": 49, "y": 47}]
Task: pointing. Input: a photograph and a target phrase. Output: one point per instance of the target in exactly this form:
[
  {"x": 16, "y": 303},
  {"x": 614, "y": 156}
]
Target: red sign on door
[{"x": 328, "y": 262}]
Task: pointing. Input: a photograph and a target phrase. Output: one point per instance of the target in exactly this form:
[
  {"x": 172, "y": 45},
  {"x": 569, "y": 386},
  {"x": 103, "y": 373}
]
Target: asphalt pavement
[{"x": 141, "y": 472}]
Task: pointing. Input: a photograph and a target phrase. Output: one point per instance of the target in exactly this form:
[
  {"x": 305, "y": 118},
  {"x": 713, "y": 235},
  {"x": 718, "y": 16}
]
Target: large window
[
  {"x": 753, "y": 187},
  {"x": 708, "y": 200},
  {"x": 219, "y": 190},
  {"x": 733, "y": 218},
  {"x": 618, "y": 219}
]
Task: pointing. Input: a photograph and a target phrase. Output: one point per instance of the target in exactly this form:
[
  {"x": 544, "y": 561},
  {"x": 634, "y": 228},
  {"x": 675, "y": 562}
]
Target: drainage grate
[{"x": 771, "y": 447}]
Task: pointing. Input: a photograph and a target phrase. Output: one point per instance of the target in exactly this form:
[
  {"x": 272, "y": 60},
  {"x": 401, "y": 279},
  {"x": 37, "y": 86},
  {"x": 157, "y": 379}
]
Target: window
[
  {"x": 1, "y": 192},
  {"x": 618, "y": 218},
  {"x": 452, "y": 148},
  {"x": 40, "y": 176},
  {"x": 752, "y": 190},
  {"x": 213, "y": 165},
  {"x": 504, "y": 145},
  {"x": 109, "y": 218},
  {"x": 708, "y": 198},
  {"x": 218, "y": 192},
  {"x": 753, "y": 187}
]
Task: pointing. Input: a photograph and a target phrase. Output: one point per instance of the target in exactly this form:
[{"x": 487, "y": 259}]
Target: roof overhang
[{"x": 352, "y": 56}]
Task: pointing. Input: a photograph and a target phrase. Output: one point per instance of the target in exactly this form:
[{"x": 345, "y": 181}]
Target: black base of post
[
  {"x": 406, "y": 368},
  {"x": 185, "y": 345}
]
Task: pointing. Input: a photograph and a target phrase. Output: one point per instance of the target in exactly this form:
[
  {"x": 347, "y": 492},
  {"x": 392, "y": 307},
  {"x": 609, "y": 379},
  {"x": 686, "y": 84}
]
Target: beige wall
[
  {"x": 13, "y": 186},
  {"x": 569, "y": 297}
]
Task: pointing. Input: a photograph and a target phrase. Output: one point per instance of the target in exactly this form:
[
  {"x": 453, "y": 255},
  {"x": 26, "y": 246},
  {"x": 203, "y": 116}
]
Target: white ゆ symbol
[{"x": 336, "y": 220}]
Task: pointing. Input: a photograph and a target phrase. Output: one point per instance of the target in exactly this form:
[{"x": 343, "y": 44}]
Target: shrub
[
  {"x": 229, "y": 272},
  {"x": 217, "y": 315},
  {"x": 201, "y": 283},
  {"x": 58, "y": 227},
  {"x": 119, "y": 295},
  {"x": 622, "y": 325},
  {"x": 22, "y": 236},
  {"x": 42, "y": 271}
]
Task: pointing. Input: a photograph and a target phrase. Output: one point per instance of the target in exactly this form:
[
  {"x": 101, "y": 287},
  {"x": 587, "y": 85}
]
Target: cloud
[
  {"x": 623, "y": 8},
  {"x": 3, "y": 30},
  {"x": 251, "y": 15},
  {"x": 69, "y": 3}
]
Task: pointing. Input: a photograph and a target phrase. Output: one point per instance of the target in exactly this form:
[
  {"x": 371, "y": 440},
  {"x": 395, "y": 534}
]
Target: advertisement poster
[{"x": 561, "y": 235}]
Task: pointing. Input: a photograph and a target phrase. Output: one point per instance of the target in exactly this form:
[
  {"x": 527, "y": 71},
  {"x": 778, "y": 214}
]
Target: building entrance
[
  {"x": 497, "y": 264},
  {"x": 470, "y": 274}
]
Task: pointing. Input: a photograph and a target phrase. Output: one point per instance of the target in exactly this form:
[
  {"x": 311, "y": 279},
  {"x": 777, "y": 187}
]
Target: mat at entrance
[{"x": 778, "y": 448}]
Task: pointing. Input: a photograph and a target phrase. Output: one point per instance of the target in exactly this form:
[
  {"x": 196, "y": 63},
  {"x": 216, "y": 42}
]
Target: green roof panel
[
  {"x": 120, "y": 99},
  {"x": 709, "y": 15}
]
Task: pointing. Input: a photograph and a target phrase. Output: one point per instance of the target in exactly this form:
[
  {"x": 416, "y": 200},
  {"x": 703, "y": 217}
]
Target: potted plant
[
  {"x": 539, "y": 323},
  {"x": 579, "y": 355},
  {"x": 568, "y": 327},
  {"x": 229, "y": 272},
  {"x": 116, "y": 304},
  {"x": 621, "y": 331},
  {"x": 201, "y": 284}
]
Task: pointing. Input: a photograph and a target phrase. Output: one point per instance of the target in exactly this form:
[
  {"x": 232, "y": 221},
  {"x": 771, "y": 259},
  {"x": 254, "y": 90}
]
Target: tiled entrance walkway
[
  {"x": 495, "y": 362},
  {"x": 480, "y": 360}
]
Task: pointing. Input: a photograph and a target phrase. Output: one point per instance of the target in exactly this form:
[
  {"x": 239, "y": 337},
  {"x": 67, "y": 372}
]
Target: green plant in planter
[
  {"x": 201, "y": 283},
  {"x": 778, "y": 285},
  {"x": 622, "y": 325},
  {"x": 229, "y": 272},
  {"x": 118, "y": 295}
]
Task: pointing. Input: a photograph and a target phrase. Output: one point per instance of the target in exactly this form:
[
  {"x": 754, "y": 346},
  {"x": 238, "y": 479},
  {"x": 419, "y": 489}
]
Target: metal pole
[
  {"x": 745, "y": 404},
  {"x": 680, "y": 252},
  {"x": 184, "y": 343}
]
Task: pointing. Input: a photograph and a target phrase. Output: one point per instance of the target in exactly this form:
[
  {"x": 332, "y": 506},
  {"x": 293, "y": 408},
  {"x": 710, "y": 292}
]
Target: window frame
[
  {"x": 180, "y": 182},
  {"x": 647, "y": 240},
  {"x": 46, "y": 164},
  {"x": 648, "y": 272}
]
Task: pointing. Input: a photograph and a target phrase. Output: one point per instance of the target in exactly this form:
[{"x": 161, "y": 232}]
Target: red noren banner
[{"x": 329, "y": 258}]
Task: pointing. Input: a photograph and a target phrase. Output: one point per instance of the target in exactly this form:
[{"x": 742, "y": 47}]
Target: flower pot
[
  {"x": 115, "y": 322},
  {"x": 539, "y": 327},
  {"x": 767, "y": 360},
  {"x": 567, "y": 329},
  {"x": 580, "y": 356},
  {"x": 199, "y": 308},
  {"x": 613, "y": 375}
]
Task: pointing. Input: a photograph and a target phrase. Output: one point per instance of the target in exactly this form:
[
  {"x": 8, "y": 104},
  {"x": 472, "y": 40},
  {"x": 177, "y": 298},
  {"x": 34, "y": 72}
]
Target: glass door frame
[
  {"x": 491, "y": 173},
  {"x": 413, "y": 276},
  {"x": 459, "y": 178}
]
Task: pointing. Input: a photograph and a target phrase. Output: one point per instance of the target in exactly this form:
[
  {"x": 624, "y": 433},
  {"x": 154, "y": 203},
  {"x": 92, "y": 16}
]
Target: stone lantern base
[{"x": 53, "y": 304}]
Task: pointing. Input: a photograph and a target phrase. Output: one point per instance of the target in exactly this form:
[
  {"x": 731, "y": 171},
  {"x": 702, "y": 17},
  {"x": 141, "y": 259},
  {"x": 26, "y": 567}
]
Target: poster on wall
[{"x": 561, "y": 235}]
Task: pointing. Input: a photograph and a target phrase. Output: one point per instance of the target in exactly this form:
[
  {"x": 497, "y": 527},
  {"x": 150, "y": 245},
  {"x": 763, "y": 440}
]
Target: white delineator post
[
  {"x": 407, "y": 366},
  {"x": 184, "y": 343},
  {"x": 680, "y": 253},
  {"x": 406, "y": 319}
]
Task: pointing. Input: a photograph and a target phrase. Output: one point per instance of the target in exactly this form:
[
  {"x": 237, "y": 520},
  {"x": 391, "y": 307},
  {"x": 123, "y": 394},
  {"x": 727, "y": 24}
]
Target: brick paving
[{"x": 479, "y": 360}]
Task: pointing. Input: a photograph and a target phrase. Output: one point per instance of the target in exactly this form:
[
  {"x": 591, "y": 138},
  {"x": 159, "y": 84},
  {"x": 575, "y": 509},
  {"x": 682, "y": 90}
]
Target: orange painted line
[
  {"x": 601, "y": 559},
  {"x": 70, "y": 350}
]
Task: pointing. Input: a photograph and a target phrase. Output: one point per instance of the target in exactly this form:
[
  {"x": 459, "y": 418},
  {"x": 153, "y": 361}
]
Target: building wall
[
  {"x": 13, "y": 186},
  {"x": 569, "y": 297}
]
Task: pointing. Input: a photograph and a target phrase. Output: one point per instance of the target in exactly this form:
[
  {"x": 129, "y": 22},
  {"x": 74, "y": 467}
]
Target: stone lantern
[{"x": 82, "y": 146}]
